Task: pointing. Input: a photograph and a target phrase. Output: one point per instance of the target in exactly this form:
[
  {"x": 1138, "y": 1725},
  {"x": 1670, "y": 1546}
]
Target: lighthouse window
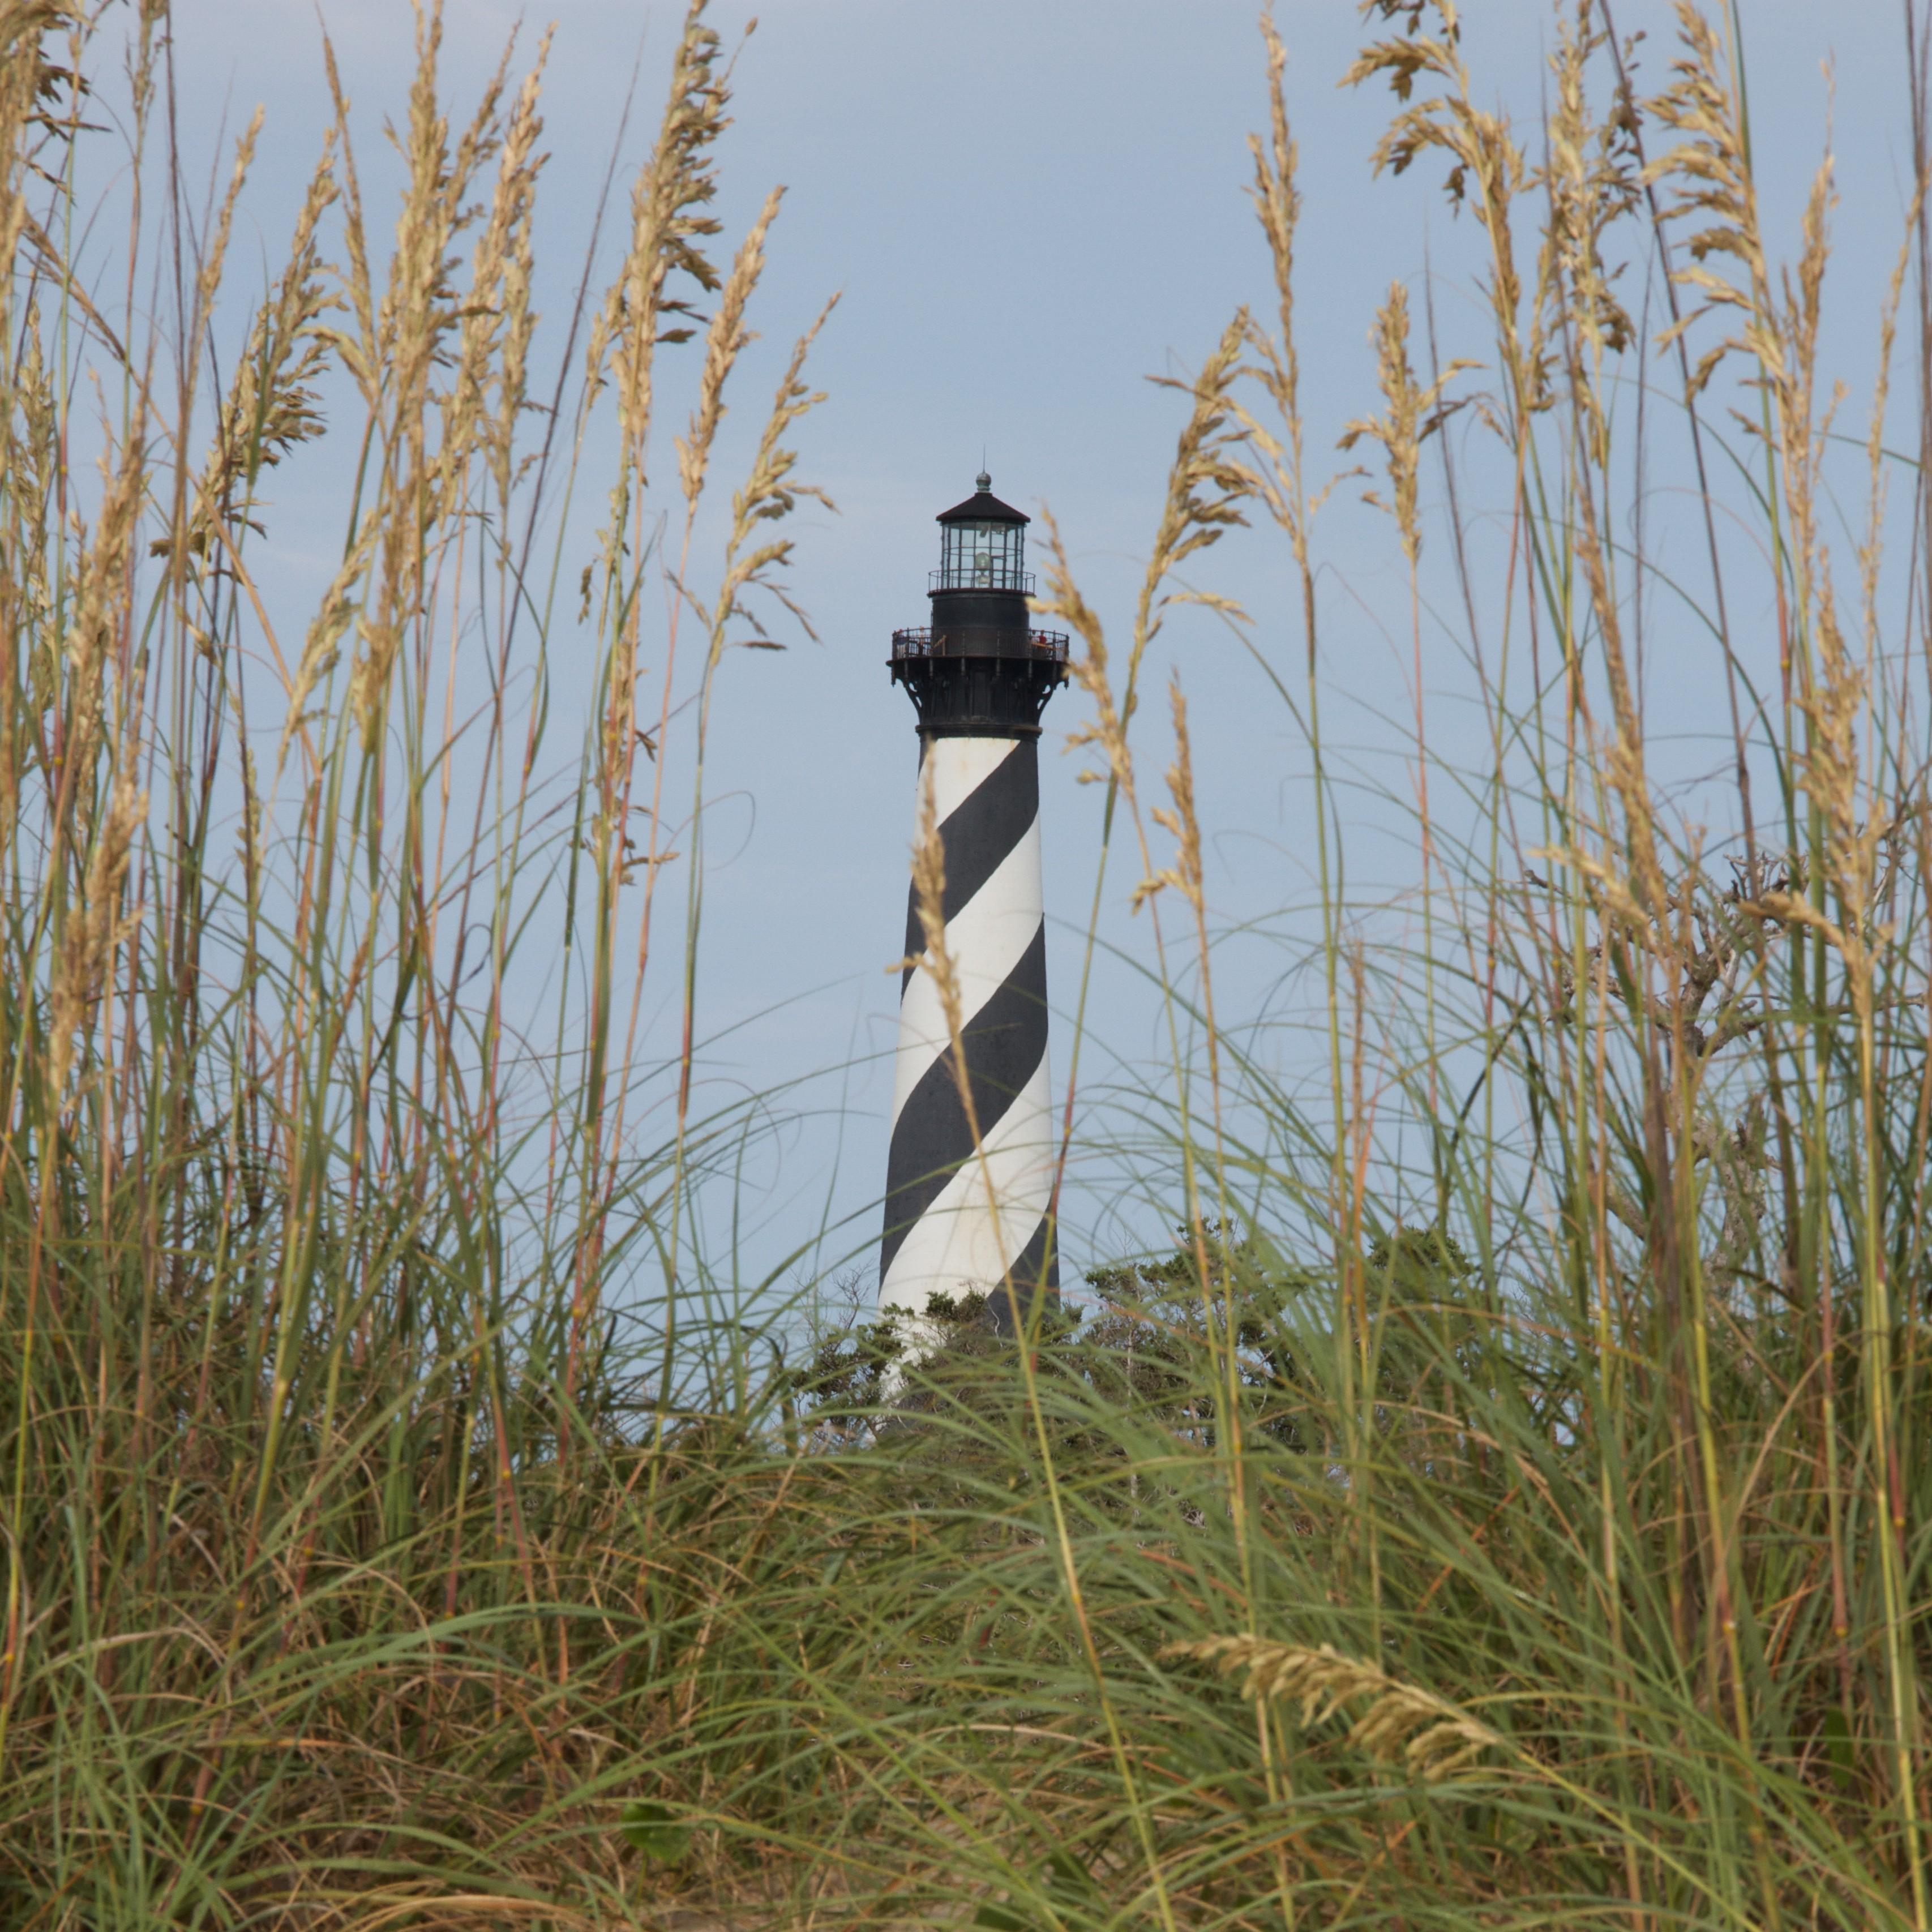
[{"x": 983, "y": 556}]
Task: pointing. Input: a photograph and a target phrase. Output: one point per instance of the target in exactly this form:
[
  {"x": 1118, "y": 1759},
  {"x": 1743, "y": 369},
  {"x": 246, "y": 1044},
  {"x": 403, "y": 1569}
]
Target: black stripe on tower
[{"x": 977, "y": 836}]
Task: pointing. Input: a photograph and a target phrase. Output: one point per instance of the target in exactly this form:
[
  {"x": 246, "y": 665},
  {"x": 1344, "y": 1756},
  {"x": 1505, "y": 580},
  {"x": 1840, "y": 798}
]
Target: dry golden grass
[{"x": 359, "y": 1572}]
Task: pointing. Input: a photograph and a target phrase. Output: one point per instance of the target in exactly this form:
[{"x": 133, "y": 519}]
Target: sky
[{"x": 1026, "y": 208}]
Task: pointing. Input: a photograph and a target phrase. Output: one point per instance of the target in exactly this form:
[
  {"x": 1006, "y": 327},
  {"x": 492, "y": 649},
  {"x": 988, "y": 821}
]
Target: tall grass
[{"x": 1528, "y": 1534}]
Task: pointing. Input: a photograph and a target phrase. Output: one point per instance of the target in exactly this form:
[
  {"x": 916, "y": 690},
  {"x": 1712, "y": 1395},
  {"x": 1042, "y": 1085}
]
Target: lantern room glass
[{"x": 983, "y": 556}]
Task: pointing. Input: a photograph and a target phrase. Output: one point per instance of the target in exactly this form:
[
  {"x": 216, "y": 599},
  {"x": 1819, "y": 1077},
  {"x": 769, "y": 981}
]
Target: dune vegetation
[{"x": 1508, "y": 1504}]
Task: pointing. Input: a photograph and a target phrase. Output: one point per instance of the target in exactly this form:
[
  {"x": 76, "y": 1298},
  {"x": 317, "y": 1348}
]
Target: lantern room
[
  {"x": 980, "y": 669},
  {"x": 982, "y": 544}
]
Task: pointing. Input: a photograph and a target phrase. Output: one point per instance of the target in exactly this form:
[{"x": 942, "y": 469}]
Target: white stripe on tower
[{"x": 959, "y": 1219}]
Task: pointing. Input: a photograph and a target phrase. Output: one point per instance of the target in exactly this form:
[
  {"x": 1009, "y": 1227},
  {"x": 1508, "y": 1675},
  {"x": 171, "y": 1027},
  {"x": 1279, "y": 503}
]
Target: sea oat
[
  {"x": 667, "y": 222},
  {"x": 1415, "y": 414},
  {"x": 934, "y": 959},
  {"x": 273, "y": 403},
  {"x": 1207, "y": 483},
  {"x": 724, "y": 341},
  {"x": 1593, "y": 180},
  {"x": 1398, "y": 1723},
  {"x": 99, "y": 612},
  {"x": 405, "y": 341},
  {"x": 1487, "y": 167},
  {"x": 96, "y": 929},
  {"x": 495, "y": 314},
  {"x": 1710, "y": 183},
  {"x": 1185, "y": 875}
]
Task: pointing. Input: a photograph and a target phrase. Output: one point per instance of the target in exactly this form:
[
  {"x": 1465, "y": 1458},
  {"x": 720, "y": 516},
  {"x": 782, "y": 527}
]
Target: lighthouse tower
[{"x": 979, "y": 677}]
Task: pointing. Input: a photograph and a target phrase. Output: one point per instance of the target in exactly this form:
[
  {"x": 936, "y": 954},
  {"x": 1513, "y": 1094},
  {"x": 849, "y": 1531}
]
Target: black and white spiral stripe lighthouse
[{"x": 980, "y": 676}]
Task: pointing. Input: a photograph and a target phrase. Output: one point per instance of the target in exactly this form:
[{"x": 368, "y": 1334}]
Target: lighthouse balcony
[
  {"x": 980, "y": 681},
  {"x": 914, "y": 645}
]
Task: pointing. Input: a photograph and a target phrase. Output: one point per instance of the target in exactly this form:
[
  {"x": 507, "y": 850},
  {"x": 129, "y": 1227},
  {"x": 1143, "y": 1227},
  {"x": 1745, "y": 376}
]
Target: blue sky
[{"x": 1028, "y": 207}]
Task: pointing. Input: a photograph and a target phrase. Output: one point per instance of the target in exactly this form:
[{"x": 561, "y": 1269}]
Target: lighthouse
[{"x": 960, "y": 1218}]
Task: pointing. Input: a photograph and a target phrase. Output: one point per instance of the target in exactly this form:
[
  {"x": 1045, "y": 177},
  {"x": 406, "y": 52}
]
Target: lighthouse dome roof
[{"x": 982, "y": 507}]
